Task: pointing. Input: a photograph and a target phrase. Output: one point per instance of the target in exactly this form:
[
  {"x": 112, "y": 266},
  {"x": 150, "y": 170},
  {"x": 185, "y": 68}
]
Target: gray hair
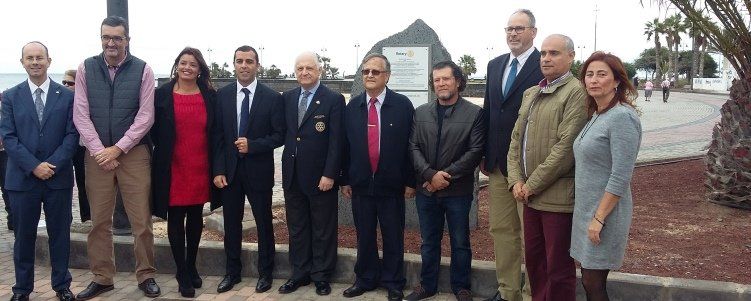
[
  {"x": 310, "y": 54},
  {"x": 378, "y": 55},
  {"x": 569, "y": 41},
  {"x": 530, "y": 15}
]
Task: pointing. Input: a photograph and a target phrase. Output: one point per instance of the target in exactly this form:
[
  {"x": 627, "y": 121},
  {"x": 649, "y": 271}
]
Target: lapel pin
[
  {"x": 318, "y": 102},
  {"x": 391, "y": 124},
  {"x": 57, "y": 92}
]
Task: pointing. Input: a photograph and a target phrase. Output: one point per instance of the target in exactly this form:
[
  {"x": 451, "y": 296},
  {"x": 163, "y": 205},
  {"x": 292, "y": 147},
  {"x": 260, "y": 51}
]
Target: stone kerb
[{"x": 211, "y": 262}]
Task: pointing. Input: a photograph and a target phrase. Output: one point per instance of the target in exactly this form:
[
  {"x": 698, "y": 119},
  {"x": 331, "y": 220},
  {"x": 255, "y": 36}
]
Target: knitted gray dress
[{"x": 605, "y": 152}]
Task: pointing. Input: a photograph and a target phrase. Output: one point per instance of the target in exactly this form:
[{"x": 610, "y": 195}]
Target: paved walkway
[{"x": 682, "y": 127}]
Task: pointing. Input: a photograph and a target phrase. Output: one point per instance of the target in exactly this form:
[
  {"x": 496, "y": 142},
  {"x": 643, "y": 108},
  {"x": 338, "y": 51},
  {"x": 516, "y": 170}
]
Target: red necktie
[{"x": 373, "y": 135}]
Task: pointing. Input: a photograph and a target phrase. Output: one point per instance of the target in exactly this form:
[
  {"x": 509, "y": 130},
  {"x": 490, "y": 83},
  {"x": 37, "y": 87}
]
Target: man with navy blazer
[
  {"x": 40, "y": 139},
  {"x": 509, "y": 75},
  {"x": 251, "y": 126},
  {"x": 377, "y": 175},
  {"x": 311, "y": 164}
]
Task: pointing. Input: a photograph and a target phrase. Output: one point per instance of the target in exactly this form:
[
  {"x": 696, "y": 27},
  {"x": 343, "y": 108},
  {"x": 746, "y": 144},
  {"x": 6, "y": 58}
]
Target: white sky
[{"x": 160, "y": 29}]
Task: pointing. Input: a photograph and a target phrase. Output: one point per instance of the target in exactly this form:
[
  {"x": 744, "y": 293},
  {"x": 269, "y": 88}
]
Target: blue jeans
[{"x": 432, "y": 212}]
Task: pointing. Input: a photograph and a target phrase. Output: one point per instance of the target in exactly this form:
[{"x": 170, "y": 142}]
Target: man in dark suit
[
  {"x": 378, "y": 176},
  {"x": 251, "y": 126},
  {"x": 311, "y": 163},
  {"x": 509, "y": 75},
  {"x": 40, "y": 138}
]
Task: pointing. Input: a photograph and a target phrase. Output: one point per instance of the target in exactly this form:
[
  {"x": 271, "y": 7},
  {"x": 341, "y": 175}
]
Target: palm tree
[
  {"x": 677, "y": 27},
  {"x": 654, "y": 29},
  {"x": 728, "y": 158},
  {"x": 667, "y": 25}
]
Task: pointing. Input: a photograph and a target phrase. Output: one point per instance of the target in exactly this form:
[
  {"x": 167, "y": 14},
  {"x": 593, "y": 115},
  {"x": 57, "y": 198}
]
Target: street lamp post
[
  {"x": 357, "y": 56},
  {"x": 581, "y": 52}
]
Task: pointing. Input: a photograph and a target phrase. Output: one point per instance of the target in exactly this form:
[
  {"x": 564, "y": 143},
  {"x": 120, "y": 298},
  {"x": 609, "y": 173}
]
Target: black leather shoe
[
  {"x": 292, "y": 285},
  {"x": 354, "y": 291},
  {"x": 496, "y": 297},
  {"x": 323, "y": 288},
  {"x": 19, "y": 297},
  {"x": 65, "y": 295},
  {"x": 263, "y": 284},
  {"x": 94, "y": 289},
  {"x": 395, "y": 294},
  {"x": 150, "y": 288},
  {"x": 228, "y": 282}
]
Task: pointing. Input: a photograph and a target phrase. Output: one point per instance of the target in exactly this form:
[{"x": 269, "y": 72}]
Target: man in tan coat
[{"x": 541, "y": 170}]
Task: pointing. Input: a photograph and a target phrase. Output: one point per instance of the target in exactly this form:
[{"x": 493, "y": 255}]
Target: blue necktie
[
  {"x": 242, "y": 130},
  {"x": 511, "y": 77}
]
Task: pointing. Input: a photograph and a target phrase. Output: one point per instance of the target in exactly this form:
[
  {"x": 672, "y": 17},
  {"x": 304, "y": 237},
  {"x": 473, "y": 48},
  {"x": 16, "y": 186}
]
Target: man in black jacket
[
  {"x": 250, "y": 127},
  {"x": 509, "y": 75},
  {"x": 446, "y": 145},
  {"x": 378, "y": 176},
  {"x": 311, "y": 163}
]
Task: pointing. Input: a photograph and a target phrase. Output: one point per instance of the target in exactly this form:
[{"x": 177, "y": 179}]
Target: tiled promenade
[{"x": 682, "y": 127}]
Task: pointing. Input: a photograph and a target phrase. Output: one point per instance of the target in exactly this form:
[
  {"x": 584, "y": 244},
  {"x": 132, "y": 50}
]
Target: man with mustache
[{"x": 448, "y": 135}]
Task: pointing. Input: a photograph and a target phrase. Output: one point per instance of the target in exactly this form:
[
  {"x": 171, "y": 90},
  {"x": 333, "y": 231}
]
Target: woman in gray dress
[{"x": 605, "y": 153}]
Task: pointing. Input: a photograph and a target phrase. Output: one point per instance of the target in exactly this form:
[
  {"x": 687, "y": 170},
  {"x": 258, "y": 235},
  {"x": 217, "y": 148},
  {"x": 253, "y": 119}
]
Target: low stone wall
[{"x": 211, "y": 262}]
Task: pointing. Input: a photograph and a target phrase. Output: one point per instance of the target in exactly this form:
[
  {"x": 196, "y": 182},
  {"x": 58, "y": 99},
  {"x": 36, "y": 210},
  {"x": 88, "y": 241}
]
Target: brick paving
[{"x": 682, "y": 127}]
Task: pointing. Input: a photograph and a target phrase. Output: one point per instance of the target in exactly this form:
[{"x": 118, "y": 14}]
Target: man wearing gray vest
[{"x": 113, "y": 111}]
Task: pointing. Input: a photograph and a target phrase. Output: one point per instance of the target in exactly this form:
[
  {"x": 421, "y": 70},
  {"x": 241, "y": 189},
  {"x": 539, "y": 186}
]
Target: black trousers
[
  {"x": 80, "y": 171},
  {"x": 184, "y": 226},
  {"x": 234, "y": 208},
  {"x": 3, "y": 164},
  {"x": 368, "y": 212},
  {"x": 312, "y": 223}
]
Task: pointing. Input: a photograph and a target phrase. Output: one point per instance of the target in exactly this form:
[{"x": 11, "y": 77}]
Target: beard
[{"x": 445, "y": 95}]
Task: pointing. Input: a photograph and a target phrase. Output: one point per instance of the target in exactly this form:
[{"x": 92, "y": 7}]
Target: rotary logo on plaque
[{"x": 320, "y": 126}]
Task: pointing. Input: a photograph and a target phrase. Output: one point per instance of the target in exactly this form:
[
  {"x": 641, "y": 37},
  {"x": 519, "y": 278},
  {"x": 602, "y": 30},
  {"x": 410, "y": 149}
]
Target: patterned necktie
[
  {"x": 302, "y": 106},
  {"x": 39, "y": 104},
  {"x": 242, "y": 129},
  {"x": 373, "y": 135},
  {"x": 511, "y": 77}
]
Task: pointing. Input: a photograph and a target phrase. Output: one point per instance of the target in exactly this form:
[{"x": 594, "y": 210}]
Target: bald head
[
  {"x": 46, "y": 52},
  {"x": 556, "y": 56}
]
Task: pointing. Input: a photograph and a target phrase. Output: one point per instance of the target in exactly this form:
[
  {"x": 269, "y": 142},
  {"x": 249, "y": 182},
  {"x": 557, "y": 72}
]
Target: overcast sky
[{"x": 160, "y": 29}]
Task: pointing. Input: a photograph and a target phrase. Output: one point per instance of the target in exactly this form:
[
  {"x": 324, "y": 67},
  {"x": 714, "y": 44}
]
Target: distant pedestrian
[
  {"x": 665, "y": 90},
  {"x": 648, "y": 86},
  {"x": 605, "y": 153}
]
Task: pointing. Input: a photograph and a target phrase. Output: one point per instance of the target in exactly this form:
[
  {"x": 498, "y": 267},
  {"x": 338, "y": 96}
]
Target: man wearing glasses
[
  {"x": 509, "y": 75},
  {"x": 114, "y": 110},
  {"x": 377, "y": 175}
]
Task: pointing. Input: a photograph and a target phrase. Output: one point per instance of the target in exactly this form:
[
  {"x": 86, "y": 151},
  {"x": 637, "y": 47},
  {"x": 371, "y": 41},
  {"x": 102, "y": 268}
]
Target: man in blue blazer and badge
[
  {"x": 311, "y": 164},
  {"x": 377, "y": 175},
  {"x": 509, "y": 75},
  {"x": 40, "y": 139}
]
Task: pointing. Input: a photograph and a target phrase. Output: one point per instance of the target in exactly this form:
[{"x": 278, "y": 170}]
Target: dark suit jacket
[
  {"x": 163, "y": 137},
  {"x": 394, "y": 165},
  {"x": 28, "y": 143},
  {"x": 501, "y": 113},
  {"x": 265, "y": 133},
  {"x": 313, "y": 149}
]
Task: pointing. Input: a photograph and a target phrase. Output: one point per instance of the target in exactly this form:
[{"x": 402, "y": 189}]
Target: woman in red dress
[{"x": 181, "y": 182}]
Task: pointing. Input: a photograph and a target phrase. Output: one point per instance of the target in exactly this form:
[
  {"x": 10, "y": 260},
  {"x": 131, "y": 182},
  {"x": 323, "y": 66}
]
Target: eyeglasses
[
  {"x": 517, "y": 29},
  {"x": 374, "y": 72},
  {"x": 116, "y": 39},
  {"x": 68, "y": 83}
]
